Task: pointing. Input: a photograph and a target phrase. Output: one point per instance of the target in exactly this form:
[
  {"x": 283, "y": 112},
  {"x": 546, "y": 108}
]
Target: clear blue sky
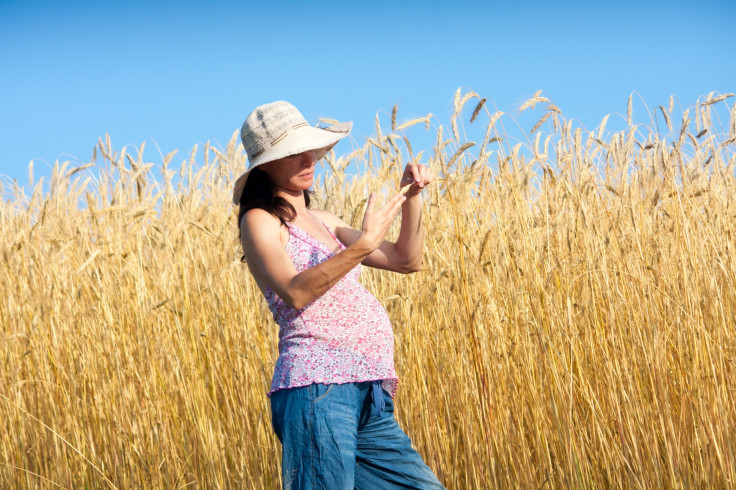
[{"x": 180, "y": 73}]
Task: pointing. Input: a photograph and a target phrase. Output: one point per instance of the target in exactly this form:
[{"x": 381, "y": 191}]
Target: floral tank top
[{"x": 343, "y": 336}]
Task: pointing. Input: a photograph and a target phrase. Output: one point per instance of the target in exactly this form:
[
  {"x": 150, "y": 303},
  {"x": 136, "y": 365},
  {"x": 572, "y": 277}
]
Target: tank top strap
[
  {"x": 334, "y": 237},
  {"x": 302, "y": 235}
]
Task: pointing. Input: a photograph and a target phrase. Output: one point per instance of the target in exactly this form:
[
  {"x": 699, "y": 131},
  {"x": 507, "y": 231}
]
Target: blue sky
[{"x": 181, "y": 73}]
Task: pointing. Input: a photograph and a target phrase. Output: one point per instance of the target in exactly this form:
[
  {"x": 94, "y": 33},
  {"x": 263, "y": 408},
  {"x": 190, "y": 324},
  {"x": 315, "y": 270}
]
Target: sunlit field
[{"x": 573, "y": 325}]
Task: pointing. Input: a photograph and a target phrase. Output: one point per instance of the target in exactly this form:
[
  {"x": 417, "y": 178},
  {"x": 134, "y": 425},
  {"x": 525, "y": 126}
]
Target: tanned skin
[{"x": 264, "y": 238}]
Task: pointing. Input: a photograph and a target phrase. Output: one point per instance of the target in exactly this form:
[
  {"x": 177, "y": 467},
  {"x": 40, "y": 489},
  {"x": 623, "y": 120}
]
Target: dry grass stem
[{"x": 573, "y": 326}]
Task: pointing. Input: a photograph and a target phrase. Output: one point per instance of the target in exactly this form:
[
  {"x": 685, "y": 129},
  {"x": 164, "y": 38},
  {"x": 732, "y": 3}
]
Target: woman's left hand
[{"x": 418, "y": 175}]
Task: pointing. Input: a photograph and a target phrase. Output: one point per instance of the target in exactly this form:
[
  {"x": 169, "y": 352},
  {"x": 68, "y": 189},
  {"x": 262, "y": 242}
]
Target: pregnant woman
[{"x": 334, "y": 380}]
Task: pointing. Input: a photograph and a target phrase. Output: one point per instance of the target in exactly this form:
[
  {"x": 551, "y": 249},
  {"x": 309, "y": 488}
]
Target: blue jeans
[{"x": 335, "y": 437}]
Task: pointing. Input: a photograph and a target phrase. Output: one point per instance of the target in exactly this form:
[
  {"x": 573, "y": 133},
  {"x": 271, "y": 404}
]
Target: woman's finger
[
  {"x": 425, "y": 175},
  {"x": 391, "y": 208},
  {"x": 416, "y": 173},
  {"x": 396, "y": 203},
  {"x": 398, "y": 199},
  {"x": 368, "y": 214},
  {"x": 377, "y": 222},
  {"x": 371, "y": 202}
]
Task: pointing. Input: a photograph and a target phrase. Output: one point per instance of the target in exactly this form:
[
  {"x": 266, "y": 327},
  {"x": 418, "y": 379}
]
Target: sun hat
[{"x": 279, "y": 130}]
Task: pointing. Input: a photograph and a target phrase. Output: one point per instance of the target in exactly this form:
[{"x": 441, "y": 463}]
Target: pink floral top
[{"x": 343, "y": 336}]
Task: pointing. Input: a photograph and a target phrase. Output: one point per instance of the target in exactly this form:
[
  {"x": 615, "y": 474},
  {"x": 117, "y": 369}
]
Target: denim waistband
[{"x": 377, "y": 394}]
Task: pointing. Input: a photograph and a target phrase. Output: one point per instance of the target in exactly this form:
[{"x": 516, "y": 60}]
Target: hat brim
[{"x": 306, "y": 138}]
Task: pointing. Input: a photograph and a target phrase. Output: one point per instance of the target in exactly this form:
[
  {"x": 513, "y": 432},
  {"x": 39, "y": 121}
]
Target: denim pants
[{"x": 340, "y": 436}]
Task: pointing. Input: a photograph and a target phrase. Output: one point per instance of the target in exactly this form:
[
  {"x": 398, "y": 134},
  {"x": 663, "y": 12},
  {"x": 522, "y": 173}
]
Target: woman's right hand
[{"x": 376, "y": 222}]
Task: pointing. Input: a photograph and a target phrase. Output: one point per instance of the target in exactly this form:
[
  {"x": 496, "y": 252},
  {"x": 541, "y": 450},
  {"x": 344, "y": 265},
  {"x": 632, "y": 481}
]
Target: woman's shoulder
[
  {"x": 258, "y": 217},
  {"x": 327, "y": 218},
  {"x": 258, "y": 222}
]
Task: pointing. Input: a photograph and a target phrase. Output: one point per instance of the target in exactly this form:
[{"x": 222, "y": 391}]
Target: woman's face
[{"x": 292, "y": 173}]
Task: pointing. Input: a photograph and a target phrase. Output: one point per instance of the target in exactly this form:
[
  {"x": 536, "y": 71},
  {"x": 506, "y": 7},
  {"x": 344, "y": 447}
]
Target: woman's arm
[
  {"x": 272, "y": 267},
  {"x": 404, "y": 255}
]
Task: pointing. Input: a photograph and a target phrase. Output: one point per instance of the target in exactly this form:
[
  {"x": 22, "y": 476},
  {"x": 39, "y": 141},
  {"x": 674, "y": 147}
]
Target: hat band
[
  {"x": 279, "y": 138},
  {"x": 283, "y": 135}
]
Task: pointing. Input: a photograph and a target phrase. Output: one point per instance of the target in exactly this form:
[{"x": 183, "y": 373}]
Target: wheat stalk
[{"x": 572, "y": 326}]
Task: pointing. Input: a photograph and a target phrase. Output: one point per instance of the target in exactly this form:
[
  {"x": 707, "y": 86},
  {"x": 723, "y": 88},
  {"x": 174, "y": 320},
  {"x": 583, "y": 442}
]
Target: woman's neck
[{"x": 295, "y": 198}]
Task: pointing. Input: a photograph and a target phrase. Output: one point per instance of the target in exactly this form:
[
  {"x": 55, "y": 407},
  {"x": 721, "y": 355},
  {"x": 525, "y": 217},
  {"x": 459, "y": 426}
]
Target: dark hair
[{"x": 260, "y": 192}]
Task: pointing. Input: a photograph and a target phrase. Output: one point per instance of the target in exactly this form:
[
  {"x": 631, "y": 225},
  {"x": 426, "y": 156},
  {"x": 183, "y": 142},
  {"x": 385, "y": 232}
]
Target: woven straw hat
[{"x": 278, "y": 130}]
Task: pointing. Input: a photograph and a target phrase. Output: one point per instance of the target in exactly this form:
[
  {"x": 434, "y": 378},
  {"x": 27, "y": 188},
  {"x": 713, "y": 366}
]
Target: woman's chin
[{"x": 296, "y": 187}]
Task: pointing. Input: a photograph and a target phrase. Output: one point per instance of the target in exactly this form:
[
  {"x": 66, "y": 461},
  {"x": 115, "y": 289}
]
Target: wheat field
[{"x": 573, "y": 325}]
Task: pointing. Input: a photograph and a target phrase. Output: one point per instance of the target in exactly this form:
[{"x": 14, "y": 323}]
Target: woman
[{"x": 332, "y": 389}]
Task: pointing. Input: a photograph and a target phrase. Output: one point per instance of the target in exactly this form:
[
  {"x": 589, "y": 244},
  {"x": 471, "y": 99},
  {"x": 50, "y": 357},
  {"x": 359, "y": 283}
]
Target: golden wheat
[{"x": 573, "y": 325}]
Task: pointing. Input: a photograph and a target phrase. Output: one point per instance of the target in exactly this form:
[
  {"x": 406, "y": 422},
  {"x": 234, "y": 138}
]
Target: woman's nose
[{"x": 308, "y": 158}]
